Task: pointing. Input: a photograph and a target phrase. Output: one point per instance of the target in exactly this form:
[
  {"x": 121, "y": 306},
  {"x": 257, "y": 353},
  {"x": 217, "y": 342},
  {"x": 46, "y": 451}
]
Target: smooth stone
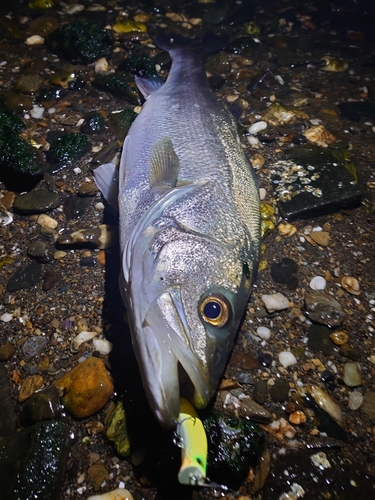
[
  {"x": 34, "y": 346},
  {"x": 253, "y": 411},
  {"x": 260, "y": 391},
  {"x": 349, "y": 352},
  {"x": 119, "y": 494},
  {"x": 243, "y": 360},
  {"x": 43, "y": 405},
  {"x": 285, "y": 272},
  {"x": 33, "y": 462},
  {"x": 50, "y": 278},
  {"x": 6, "y": 351},
  {"x": 86, "y": 388},
  {"x": 40, "y": 251},
  {"x": 287, "y": 358},
  {"x": 87, "y": 189},
  {"x": 75, "y": 206},
  {"x": 368, "y": 405},
  {"x": 265, "y": 359},
  {"x": 28, "y": 84},
  {"x": 97, "y": 473},
  {"x": 275, "y": 302},
  {"x": 263, "y": 332},
  {"x": 245, "y": 378},
  {"x": 36, "y": 201},
  {"x": 352, "y": 377},
  {"x": 93, "y": 124},
  {"x": 355, "y": 400},
  {"x": 25, "y": 278},
  {"x": 117, "y": 430},
  {"x": 279, "y": 392},
  {"x": 8, "y": 421},
  {"x": 319, "y": 339},
  {"x": 29, "y": 386},
  {"x": 15, "y": 102},
  {"x": 323, "y": 308}
]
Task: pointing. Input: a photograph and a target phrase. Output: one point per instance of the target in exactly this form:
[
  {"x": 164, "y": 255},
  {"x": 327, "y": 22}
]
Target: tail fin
[{"x": 209, "y": 44}]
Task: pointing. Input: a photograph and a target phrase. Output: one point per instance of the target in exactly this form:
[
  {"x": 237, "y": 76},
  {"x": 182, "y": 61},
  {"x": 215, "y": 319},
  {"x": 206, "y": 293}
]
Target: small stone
[
  {"x": 36, "y": 201},
  {"x": 245, "y": 378},
  {"x": 6, "y": 351},
  {"x": 100, "y": 237},
  {"x": 263, "y": 332},
  {"x": 82, "y": 337},
  {"x": 297, "y": 417},
  {"x": 319, "y": 135},
  {"x": 243, "y": 360},
  {"x": 42, "y": 405},
  {"x": 285, "y": 272},
  {"x": 6, "y": 317},
  {"x": 320, "y": 237},
  {"x": 25, "y": 278},
  {"x": 339, "y": 337},
  {"x": 86, "y": 388},
  {"x": 29, "y": 386},
  {"x": 117, "y": 431},
  {"x": 319, "y": 339},
  {"x": 34, "y": 346},
  {"x": 348, "y": 351},
  {"x": 279, "y": 392},
  {"x": 275, "y": 302},
  {"x": 103, "y": 346},
  {"x": 75, "y": 206},
  {"x": 352, "y": 377},
  {"x": 34, "y": 40},
  {"x": 39, "y": 250},
  {"x": 253, "y": 411},
  {"x": 47, "y": 221},
  {"x": 101, "y": 65},
  {"x": 59, "y": 255},
  {"x": 260, "y": 391},
  {"x": 8, "y": 199},
  {"x": 87, "y": 189},
  {"x": 119, "y": 494},
  {"x": 286, "y": 358},
  {"x": 265, "y": 359},
  {"x": 97, "y": 473},
  {"x": 318, "y": 283},
  {"x": 50, "y": 278},
  {"x": 355, "y": 400},
  {"x": 323, "y": 308}
]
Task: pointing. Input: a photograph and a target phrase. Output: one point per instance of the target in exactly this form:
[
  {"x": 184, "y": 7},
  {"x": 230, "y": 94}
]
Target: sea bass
[{"x": 189, "y": 234}]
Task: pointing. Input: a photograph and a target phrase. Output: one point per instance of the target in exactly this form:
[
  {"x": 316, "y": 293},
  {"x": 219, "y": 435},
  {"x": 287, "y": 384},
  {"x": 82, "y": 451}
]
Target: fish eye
[{"x": 215, "y": 310}]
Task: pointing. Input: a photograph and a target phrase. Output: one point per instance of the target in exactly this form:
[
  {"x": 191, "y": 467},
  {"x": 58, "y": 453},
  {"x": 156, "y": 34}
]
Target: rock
[
  {"x": 277, "y": 114},
  {"x": 260, "y": 391},
  {"x": 25, "y": 278},
  {"x": 322, "y": 400},
  {"x": 286, "y": 358},
  {"x": 34, "y": 346},
  {"x": 368, "y": 405},
  {"x": 102, "y": 346},
  {"x": 339, "y": 337},
  {"x": 275, "y": 302},
  {"x": 320, "y": 237},
  {"x": 36, "y": 201},
  {"x": 28, "y": 84},
  {"x": 86, "y": 388},
  {"x": 245, "y": 378},
  {"x": 42, "y": 405},
  {"x": 265, "y": 359},
  {"x": 47, "y": 221},
  {"x": 6, "y": 351},
  {"x": 263, "y": 332},
  {"x": 243, "y": 360},
  {"x": 97, "y": 473},
  {"x": 348, "y": 351},
  {"x": 40, "y": 251},
  {"x": 355, "y": 400},
  {"x": 323, "y": 308},
  {"x": 50, "y": 278},
  {"x": 352, "y": 377},
  {"x": 117, "y": 431},
  {"x": 75, "y": 206},
  {"x": 100, "y": 237},
  {"x": 279, "y": 392},
  {"x": 253, "y": 411},
  {"x": 119, "y": 494},
  {"x": 87, "y": 189},
  {"x": 29, "y": 386},
  {"x": 285, "y": 272},
  {"x": 83, "y": 336},
  {"x": 319, "y": 135},
  {"x": 33, "y": 462},
  {"x": 119, "y": 123},
  {"x": 8, "y": 421},
  {"x": 93, "y": 124},
  {"x": 319, "y": 339}
]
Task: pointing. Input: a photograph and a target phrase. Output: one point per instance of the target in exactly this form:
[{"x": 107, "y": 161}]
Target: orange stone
[
  {"x": 29, "y": 386},
  {"x": 86, "y": 388}
]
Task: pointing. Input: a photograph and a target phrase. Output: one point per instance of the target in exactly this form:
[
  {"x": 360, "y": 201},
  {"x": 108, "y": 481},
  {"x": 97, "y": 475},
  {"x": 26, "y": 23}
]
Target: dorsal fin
[{"x": 164, "y": 164}]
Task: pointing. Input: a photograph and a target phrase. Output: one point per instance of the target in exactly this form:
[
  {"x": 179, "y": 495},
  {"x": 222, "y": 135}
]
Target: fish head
[{"x": 186, "y": 297}]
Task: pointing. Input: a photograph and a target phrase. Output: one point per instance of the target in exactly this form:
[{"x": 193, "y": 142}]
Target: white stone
[
  {"x": 355, "y": 400},
  {"x": 101, "y": 65},
  {"x": 103, "y": 346},
  {"x": 263, "y": 332},
  {"x": 6, "y": 317},
  {"x": 119, "y": 494},
  {"x": 275, "y": 302},
  {"x": 286, "y": 358},
  {"x": 34, "y": 40},
  {"x": 262, "y": 193},
  {"x": 47, "y": 221},
  {"x": 82, "y": 337},
  {"x": 318, "y": 283},
  {"x": 257, "y": 127},
  {"x": 37, "y": 112}
]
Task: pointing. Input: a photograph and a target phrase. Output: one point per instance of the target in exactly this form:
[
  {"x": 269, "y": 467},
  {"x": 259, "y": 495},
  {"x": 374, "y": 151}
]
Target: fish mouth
[{"x": 171, "y": 369}]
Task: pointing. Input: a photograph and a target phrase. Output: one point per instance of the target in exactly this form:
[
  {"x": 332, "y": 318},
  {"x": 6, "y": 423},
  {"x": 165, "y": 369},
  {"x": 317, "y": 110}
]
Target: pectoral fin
[
  {"x": 148, "y": 85},
  {"x": 164, "y": 165},
  {"x": 106, "y": 178}
]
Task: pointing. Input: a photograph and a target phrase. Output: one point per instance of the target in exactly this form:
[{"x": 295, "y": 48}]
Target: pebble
[
  {"x": 323, "y": 400},
  {"x": 352, "y": 377},
  {"x": 97, "y": 473},
  {"x": 42, "y": 405},
  {"x": 87, "y": 189},
  {"x": 355, "y": 400},
  {"x": 103, "y": 346},
  {"x": 75, "y": 206},
  {"x": 297, "y": 417},
  {"x": 263, "y": 332},
  {"x": 86, "y": 388},
  {"x": 34, "y": 40},
  {"x": 318, "y": 283},
  {"x": 59, "y": 255},
  {"x": 368, "y": 405},
  {"x": 275, "y": 302},
  {"x": 323, "y": 308},
  {"x": 319, "y": 135},
  {"x": 25, "y": 278},
  {"x": 260, "y": 391},
  {"x": 37, "y": 112},
  {"x": 287, "y": 229},
  {"x": 243, "y": 377},
  {"x": 117, "y": 431},
  {"x": 29, "y": 386},
  {"x": 101, "y": 237},
  {"x": 285, "y": 272},
  {"x": 6, "y": 317},
  {"x": 286, "y": 358},
  {"x": 351, "y": 285},
  {"x": 119, "y": 494},
  {"x": 319, "y": 339},
  {"x": 279, "y": 391},
  {"x": 101, "y": 65},
  {"x": 257, "y": 127},
  {"x": 6, "y": 351},
  {"x": 50, "y": 278},
  {"x": 83, "y": 336},
  {"x": 322, "y": 238},
  {"x": 253, "y": 411},
  {"x": 36, "y": 201},
  {"x": 40, "y": 251},
  {"x": 348, "y": 351},
  {"x": 339, "y": 337},
  {"x": 265, "y": 359},
  {"x": 47, "y": 221},
  {"x": 34, "y": 346}
]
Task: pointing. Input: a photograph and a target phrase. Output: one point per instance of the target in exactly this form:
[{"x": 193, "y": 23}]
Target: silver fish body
[{"x": 189, "y": 234}]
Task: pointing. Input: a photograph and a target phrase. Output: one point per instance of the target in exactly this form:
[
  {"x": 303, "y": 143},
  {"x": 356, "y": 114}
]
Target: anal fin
[{"x": 106, "y": 178}]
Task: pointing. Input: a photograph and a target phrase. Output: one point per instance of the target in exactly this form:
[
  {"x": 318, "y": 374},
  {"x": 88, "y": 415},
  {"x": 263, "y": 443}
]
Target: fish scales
[{"x": 189, "y": 235}]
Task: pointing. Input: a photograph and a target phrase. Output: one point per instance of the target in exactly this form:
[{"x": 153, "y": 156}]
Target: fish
[{"x": 189, "y": 226}]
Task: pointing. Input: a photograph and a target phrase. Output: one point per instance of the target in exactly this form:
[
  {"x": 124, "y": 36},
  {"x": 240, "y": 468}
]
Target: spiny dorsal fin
[{"x": 164, "y": 165}]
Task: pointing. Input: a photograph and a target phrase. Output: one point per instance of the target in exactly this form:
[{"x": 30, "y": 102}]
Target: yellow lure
[{"x": 193, "y": 442}]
